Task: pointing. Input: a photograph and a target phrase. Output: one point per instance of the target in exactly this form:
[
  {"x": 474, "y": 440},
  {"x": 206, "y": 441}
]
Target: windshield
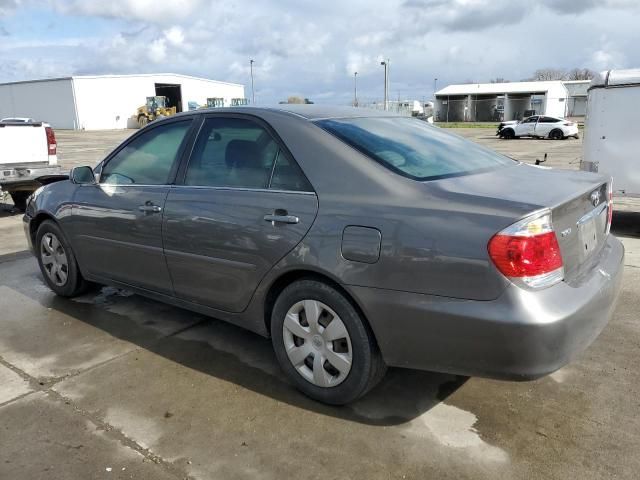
[{"x": 413, "y": 148}]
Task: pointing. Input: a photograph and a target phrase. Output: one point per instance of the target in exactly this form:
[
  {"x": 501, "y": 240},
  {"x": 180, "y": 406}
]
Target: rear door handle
[
  {"x": 150, "y": 208},
  {"x": 281, "y": 219}
]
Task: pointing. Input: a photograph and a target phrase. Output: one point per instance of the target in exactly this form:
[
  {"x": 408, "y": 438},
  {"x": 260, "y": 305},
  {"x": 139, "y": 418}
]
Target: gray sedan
[{"x": 355, "y": 239}]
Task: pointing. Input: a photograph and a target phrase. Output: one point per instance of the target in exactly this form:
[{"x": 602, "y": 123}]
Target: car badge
[{"x": 595, "y": 198}]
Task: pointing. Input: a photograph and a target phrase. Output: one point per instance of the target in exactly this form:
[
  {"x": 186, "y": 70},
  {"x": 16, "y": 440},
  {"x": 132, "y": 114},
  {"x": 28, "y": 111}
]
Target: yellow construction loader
[
  {"x": 156, "y": 107},
  {"x": 215, "y": 102}
]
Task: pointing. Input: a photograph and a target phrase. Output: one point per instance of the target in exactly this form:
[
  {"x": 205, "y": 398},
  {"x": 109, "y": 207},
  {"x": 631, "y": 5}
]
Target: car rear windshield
[{"x": 413, "y": 148}]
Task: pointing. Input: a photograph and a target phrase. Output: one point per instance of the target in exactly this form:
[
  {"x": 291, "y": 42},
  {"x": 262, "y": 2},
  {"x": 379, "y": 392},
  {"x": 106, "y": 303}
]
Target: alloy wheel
[
  {"x": 54, "y": 259},
  {"x": 317, "y": 343}
]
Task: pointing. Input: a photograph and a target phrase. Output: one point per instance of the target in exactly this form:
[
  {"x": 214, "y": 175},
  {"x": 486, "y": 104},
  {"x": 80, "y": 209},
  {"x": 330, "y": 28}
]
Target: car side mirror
[{"x": 82, "y": 176}]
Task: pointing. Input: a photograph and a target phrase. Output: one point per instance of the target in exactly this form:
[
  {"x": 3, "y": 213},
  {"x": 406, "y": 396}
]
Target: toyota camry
[{"x": 353, "y": 238}]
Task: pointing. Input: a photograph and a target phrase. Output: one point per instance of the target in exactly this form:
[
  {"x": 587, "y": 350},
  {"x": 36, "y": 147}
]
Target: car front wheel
[
  {"x": 508, "y": 134},
  {"x": 323, "y": 344},
  {"x": 57, "y": 261}
]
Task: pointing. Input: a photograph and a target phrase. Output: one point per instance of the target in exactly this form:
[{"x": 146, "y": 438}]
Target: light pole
[
  {"x": 435, "y": 109},
  {"x": 355, "y": 89},
  {"x": 253, "y": 95},
  {"x": 385, "y": 63}
]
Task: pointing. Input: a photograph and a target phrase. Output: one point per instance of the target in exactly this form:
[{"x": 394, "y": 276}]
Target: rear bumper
[
  {"x": 571, "y": 131},
  {"x": 521, "y": 335},
  {"x": 13, "y": 178}
]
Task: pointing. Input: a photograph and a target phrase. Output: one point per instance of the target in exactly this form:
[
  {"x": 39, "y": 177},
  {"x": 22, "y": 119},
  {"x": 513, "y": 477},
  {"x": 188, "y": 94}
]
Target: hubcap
[
  {"x": 54, "y": 259},
  {"x": 317, "y": 343}
]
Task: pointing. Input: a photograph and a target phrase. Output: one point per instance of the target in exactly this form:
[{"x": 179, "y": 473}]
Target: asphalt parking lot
[{"x": 112, "y": 385}]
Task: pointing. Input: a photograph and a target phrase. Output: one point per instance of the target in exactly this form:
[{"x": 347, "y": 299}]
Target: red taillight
[
  {"x": 52, "y": 146},
  {"x": 526, "y": 256},
  {"x": 528, "y": 252},
  {"x": 610, "y": 207}
]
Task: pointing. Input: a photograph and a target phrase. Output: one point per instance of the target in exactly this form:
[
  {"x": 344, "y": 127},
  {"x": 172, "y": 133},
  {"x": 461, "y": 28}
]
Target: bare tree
[
  {"x": 580, "y": 74},
  {"x": 546, "y": 74}
]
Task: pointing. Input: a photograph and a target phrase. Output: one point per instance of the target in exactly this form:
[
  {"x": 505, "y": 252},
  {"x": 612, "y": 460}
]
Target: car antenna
[{"x": 538, "y": 161}]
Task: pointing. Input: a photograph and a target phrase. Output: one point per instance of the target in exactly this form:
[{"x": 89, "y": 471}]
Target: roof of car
[{"x": 309, "y": 112}]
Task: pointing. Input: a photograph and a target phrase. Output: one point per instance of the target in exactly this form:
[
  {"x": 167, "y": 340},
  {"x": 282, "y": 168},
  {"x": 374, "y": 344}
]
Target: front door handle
[
  {"x": 281, "y": 219},
  {"x": 150, "y": 208}
]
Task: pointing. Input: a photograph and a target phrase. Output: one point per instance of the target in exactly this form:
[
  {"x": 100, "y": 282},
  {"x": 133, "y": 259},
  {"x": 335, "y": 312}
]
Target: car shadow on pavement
[
  {"x": 233, "y": 354},
  {"x": 626, "y": 224}
]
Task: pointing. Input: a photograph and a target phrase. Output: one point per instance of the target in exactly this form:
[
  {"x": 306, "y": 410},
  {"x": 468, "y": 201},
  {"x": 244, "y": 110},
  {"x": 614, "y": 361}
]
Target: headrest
[{"x": 242, "y": 154}]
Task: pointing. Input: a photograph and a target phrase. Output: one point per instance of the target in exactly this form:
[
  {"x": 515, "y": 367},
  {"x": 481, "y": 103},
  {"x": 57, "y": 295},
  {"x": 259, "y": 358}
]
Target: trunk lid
[{"x": 578, "y": 203}]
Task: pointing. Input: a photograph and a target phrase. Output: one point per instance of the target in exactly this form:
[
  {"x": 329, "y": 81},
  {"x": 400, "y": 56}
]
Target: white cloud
[
  {"x": 158, "y": 50},
  {"x": 7, "y": 6},
  {"x": 175, "y": 36},
  {"x": 162, "y": 12},
  {"x": 311, "y": 50}
]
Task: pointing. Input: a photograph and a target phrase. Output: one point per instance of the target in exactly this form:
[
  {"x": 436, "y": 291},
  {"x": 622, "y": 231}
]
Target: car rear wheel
[
  {"x": 508, "y": 134},
  {"x": 20, "y": 200},
  {"x": 57, "y": 261},
  {"x": 556, "y": 134},
  {"x": 323, "y": 344}
]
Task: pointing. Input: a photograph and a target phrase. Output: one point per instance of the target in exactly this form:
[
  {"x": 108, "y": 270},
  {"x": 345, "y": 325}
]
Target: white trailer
[{"x": 611, "y": 142}]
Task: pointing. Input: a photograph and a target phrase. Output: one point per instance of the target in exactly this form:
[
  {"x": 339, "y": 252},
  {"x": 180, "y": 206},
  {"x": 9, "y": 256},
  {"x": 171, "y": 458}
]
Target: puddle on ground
[{"x": 248, "y": 348}]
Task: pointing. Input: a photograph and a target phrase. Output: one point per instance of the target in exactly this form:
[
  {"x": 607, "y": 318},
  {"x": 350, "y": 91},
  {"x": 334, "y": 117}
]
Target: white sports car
[{"x": 538, "y": 126}]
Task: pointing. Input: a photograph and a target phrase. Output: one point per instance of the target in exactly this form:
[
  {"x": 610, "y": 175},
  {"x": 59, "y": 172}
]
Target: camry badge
[
  {"x": 565, "y": 233},
  {"x": 595, "y": 198}
]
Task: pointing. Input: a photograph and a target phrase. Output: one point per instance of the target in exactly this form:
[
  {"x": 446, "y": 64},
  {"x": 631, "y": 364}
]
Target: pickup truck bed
[{"x": 28, "y": 150}]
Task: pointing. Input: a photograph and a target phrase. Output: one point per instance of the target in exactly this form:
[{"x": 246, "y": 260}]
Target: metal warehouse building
[
  {"x": 486, "y": 102},
  {"x": 106, "y": 101}
]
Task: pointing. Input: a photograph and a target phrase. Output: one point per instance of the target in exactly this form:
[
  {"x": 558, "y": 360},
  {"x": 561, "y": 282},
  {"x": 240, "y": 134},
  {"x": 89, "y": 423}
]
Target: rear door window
[
  {"x": 240, "y": 153},
  {"x": 288, "y": 176},
  {"x": 232, "y": 152},
  {"x": 413, "y": 148}
]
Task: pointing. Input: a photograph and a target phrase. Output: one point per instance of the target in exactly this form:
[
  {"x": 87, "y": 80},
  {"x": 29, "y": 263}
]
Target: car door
[
  {"x": 242, "y": 205},
  {"x": 526, "y": 127},
  {"x": 545, "y": 125},
  {"x": 116, "y": 223}
]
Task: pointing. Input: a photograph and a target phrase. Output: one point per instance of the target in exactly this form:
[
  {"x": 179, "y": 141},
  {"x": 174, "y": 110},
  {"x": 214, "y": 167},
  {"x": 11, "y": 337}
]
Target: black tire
[
  {"x": 20, "y": 200},
  {"x": 367, "y": 366},
  {"x": 556, "y": 134},
  {"x": 74, "y": 284},
  {"x": 508, "y": 134}
]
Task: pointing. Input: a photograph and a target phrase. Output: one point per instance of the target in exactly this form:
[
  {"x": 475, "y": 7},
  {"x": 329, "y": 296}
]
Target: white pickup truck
[{"x": 28, "y": 154}]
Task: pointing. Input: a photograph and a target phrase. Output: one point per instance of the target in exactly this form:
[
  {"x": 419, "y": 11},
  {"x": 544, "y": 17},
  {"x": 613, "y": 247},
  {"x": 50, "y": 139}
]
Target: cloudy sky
[{"x": 312, "y": 48}]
